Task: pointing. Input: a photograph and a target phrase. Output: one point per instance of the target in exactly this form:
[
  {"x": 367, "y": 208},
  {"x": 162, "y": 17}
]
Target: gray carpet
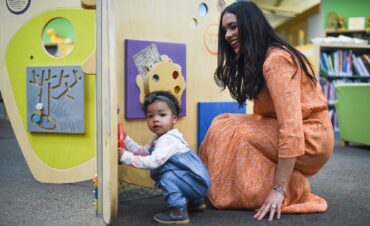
[
  {"x": 344, "y": 182},
  {"x": 24, "y": 201}
]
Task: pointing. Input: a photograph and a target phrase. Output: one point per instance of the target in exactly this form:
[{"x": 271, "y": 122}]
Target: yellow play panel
[{"x": 54, "y": 157}]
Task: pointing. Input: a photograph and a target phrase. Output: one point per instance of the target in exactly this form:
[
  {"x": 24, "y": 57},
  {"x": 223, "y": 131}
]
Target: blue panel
[
  {"x": 56, "y": 99},
  {"x": 208, "y": 110}
]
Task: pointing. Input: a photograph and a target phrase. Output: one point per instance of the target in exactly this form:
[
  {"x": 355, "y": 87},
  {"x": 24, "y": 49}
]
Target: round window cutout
[
  {"x": 203, "y": 9},
  {"x": 59, "y": 37}
]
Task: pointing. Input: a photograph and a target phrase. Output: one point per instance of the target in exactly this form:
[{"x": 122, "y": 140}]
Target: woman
[{"x": 261, "y": 161}]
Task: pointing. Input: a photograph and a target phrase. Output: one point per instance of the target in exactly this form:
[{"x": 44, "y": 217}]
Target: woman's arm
[
  {"x": 284, "y": 171},
  {"x": 285, "y": 91},
  {"x": 276, "y": 197}
]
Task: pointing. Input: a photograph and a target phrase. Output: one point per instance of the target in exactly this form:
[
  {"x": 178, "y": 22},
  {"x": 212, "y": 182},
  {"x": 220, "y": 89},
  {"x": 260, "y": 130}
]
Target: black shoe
[
  {"x": 197, "y": 206},
  {"x": 174, "y": 216}
]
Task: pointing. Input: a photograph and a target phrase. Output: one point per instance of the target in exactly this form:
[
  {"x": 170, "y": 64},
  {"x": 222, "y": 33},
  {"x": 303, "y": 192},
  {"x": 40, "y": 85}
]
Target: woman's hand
[
  {"x": 275, "y": 199},
  {"x": 272, "y": 205}
]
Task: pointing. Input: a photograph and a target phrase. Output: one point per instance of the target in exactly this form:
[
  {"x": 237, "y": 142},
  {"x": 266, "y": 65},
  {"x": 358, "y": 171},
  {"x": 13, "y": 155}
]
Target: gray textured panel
[{"x": 60, "y": 90}]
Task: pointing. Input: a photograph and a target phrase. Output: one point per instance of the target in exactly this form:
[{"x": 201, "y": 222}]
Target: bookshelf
[
  {"x": 361, "y": 34},
  {"x": 340, "y": 63},
  {"x": 336, "y": 32},
  {"x": 347, "y": 10}
]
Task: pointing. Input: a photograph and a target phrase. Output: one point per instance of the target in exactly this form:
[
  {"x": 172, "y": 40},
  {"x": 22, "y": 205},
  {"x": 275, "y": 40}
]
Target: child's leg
[
  {"x": 177, "y": 189},
  {"x": 181, "y": 186},
  {"x": 173, "y": 190},
  {"x": 175, "y": 199}
]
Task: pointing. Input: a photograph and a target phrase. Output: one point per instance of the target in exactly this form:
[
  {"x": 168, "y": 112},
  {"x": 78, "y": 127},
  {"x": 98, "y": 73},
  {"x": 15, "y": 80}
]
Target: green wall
[{"x": 346, "y": 8}]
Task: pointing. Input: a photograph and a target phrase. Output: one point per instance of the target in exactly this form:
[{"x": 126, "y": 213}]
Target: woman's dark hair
[
  {"x": 163, "y": 96},
  {"x": 242, "y": 73}
]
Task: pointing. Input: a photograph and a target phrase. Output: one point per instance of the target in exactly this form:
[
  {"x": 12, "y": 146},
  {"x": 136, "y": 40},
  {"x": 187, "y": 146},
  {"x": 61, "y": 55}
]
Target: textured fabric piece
[{"x": 290, "y": 120}]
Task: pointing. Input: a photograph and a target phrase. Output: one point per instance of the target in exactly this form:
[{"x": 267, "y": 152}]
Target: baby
[{"x": 173, "y": 165}]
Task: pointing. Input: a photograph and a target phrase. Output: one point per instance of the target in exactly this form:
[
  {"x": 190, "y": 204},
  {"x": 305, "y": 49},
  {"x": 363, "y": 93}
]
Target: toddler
[{"x": 174, "y": 167}]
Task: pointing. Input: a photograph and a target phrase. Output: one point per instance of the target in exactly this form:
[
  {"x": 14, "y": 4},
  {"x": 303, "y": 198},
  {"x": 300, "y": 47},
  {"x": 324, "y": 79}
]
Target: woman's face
[{"x": 230, "y": 27}]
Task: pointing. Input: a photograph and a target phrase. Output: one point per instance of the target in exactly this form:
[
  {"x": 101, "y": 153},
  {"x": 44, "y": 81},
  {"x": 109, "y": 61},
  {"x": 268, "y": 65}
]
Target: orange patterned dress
[{"x": 290, "y": 120}]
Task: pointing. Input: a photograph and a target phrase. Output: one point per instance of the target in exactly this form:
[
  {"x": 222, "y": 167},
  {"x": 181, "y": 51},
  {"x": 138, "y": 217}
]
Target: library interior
[{"x": 78, "y": 80}]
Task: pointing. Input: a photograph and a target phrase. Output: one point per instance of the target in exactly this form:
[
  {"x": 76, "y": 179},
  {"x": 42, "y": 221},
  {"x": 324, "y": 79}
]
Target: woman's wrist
[{"x": 279, "y": 189}]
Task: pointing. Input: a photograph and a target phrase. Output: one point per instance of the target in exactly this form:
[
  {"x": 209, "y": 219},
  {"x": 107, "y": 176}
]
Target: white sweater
[{"x": 165, "y": 146}]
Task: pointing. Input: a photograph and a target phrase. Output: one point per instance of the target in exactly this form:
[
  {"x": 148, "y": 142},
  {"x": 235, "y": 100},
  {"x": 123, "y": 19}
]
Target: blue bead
[{"x": 37, "y": 118}]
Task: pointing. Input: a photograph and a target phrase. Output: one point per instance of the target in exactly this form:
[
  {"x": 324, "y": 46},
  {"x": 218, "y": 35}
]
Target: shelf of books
[{"x": 341, "y": 64}]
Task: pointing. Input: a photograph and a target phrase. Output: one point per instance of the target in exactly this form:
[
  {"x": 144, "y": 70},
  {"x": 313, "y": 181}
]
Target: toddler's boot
[{"x": 173, "y": 216}]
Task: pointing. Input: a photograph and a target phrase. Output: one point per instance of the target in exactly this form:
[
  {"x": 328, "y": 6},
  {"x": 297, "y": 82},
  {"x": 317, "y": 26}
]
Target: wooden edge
[
  {"x": 89, "y": 66},
  {"x": 106, "y": 116},
  {"x": 88, "y": 4}
]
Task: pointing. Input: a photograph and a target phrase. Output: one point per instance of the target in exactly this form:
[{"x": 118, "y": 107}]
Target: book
[
  {"x": 366, "y": 59},
  {"x": 331, "y": 67},
  {"x": 363, "y": 67},
  {"x": 349, "y": 63},
  {"x": 336, "y": 63},
  {"x": 356, "y": 65},
  {"x": 323, "y": 64}
]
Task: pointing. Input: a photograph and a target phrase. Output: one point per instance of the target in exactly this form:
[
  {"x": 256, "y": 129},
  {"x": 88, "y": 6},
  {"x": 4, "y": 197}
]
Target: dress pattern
[{"x": 290, "y": 120}]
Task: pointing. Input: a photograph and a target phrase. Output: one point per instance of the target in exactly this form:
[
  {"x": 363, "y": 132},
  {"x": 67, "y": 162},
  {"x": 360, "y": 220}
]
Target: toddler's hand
[{"x": 120, "y": 153}]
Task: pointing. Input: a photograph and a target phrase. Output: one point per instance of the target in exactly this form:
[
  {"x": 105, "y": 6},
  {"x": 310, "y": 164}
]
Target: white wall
[{"x": 315, "y": 27}]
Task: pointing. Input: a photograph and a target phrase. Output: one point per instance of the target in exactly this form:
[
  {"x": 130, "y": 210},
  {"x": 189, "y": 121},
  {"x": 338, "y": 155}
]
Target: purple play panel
[{"x": 175, "y": 51}]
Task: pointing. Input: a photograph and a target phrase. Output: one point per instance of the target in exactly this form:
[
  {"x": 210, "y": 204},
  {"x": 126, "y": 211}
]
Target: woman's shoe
[{"x": 199, "y": 205}]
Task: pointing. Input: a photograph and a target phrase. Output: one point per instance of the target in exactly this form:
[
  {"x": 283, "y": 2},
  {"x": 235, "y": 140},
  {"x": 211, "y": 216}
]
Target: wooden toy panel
[
  {"x": 52, "y": 157},
  {"x": 150, "y": 66},
  {"x": 56, "y": 99}
]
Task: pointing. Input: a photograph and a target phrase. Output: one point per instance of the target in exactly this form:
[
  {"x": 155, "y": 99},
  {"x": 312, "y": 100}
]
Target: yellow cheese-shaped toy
[{"x": 164, "y": 75}]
